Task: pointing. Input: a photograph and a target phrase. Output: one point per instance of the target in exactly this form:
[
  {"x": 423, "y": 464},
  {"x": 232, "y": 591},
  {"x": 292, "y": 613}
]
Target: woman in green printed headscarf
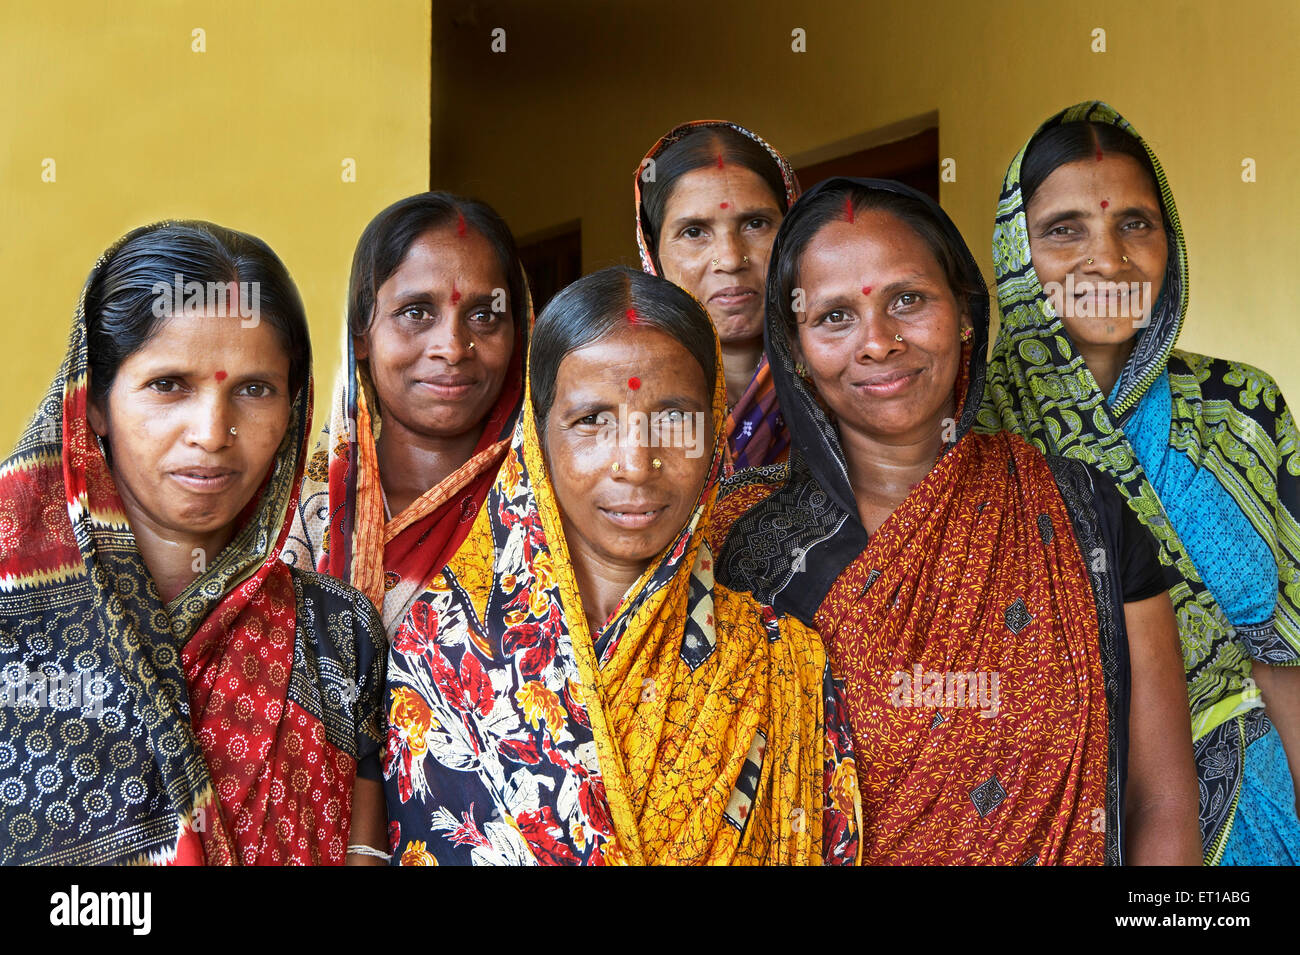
[{"x": 1091, "y": 269}]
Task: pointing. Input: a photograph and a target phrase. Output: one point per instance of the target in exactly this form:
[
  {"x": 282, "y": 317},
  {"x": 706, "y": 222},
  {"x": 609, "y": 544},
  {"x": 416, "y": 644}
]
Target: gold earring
[
  {"x": 614, "y": 467},
  {"x": 966, "y": 334},
  {"x": 657, "y": 464},
  {"x": 897, "y": 337}
]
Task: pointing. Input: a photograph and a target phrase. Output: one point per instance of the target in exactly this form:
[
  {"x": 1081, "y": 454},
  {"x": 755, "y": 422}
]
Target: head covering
[
  {"x": 982, "y": 663},
  {"x": 341, "y": 528},
  {"x": 1204, "y": 452},
  {"x": 756, "y": 433},
  {"x": 167, "y": 724},
  {"x": 690, "y": 729}
]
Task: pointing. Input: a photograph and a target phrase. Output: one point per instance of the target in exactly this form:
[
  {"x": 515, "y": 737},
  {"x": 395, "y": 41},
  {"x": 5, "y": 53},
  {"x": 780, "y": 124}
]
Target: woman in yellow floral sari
[{"x": 574, "y": 687}]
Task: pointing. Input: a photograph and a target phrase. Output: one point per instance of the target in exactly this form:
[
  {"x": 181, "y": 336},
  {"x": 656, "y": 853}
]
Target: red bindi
[
  {"x": 719, "y": 160},
  {"x": 848, "y": 209},
  {"x": 634, "y": 383},
  {"x": 1104, "y": 204},
  {"x": 866, "y": 290},
  {"x": 460, "y": 225},
  {"x": 221, "y": 376},
  {"x": 724, "y": 205},
  {"x": 632, "y": 317},
  {"x": 1099, "y": 156},
  {"x": 455, "y": 292}
]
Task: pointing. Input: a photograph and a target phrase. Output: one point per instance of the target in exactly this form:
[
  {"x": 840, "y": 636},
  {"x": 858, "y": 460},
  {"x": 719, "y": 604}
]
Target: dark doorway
[
  {"x": 913, "y": 161},
  {"x": 552, "y": 260}
]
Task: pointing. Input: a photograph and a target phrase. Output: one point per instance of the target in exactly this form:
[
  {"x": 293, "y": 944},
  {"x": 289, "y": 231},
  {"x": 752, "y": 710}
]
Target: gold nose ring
[
  {"x": 746, "y": 260},
  {"x": 1125, "y": 258},
  {"x": 897, "y": 337},
  {"x": 657, "y": 464},
  {"x": 471, "y": 346},
  {"x": 1090, "y": 261}
]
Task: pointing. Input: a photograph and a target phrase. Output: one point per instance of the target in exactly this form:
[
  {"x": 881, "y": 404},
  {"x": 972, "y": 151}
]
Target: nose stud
[
  {"x": 614, "y": 468},
  {"x": 471, "y": 346},
  {"x": 1125, "y": 258},
  {"x": 897, "y": 337},
  {"x": 233, "y": 432},
  {"x": 1090, "y": 261},
  {"x": 657, "y": 464},
  {"x": 746, "y": 260},
  {"x": 715, "y": 263}
]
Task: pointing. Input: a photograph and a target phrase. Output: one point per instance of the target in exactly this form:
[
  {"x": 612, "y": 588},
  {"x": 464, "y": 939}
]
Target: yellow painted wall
[
  {"x": 552, "y": 129},
  {"x": 250, "y": 134}
]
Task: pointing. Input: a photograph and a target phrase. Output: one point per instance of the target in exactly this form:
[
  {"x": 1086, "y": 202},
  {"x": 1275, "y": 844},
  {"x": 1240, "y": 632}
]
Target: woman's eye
[
  {"x": 416, "y": 313},
  {"x": 258, "y": 389},
  {"x": 757, "y": 224},
  {"x": 908, "y": 298},
  {"x": 692, "y": 232},
  {"x": 1060, "y": 231},
  {"x": 1137, "y": 225},
  {"x": 675, "y": 416},
  {"x": 163, "y": 386},
  {"x": 834, "y": 317},
  {"x": 484, "y": 316}
]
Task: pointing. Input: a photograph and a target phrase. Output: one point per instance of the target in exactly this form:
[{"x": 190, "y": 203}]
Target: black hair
[
  {"x": 699, "y": 148},
  {"x": 390, "y": 235},
  {"x": 1070, "y": 142},
  {"x": 813, "y": 212},
  {"x": 597, "y": 305},
  {"x": 124, "y": 308}
]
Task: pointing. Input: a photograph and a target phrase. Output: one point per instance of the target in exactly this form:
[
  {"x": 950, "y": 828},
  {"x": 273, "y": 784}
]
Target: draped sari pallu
[{"x": 223, "y": 727}]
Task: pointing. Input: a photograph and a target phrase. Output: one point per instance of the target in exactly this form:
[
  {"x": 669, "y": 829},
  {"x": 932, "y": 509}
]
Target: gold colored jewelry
[
  {"x": 614, "y": 467},
  {"x": 471, "y": 346},
  {"x": 1125, "y": 258},
  {"x": 657, "y": 464},
  {"x": 1090, "y": 261},
  {"x": 746, "y": 260},
  {"x": 897, "y": 337},
  {"x": 715, "y": 263},
  {"x": 966, "y": 334},
  {"x": 233, "y": 432}
]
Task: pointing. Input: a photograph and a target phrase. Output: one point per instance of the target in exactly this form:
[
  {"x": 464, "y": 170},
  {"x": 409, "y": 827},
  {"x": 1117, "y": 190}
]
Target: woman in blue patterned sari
[{"x": 1091, "y": 268}]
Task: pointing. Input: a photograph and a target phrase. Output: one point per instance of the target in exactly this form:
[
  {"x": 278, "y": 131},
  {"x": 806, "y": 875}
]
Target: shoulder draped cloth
[
  {"x": 696, "y": 727},
  {"x": 223, "y": 727},
  {"x": 1204, "y": 452},
  {"x": 983, "y": 658},
  {"x": 756, "y": 431},
  {"x": 340, "y": 527}
]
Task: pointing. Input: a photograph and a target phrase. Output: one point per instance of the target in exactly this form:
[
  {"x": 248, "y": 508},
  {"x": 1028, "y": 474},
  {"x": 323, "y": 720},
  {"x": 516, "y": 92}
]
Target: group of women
[{"x": 914, "y": 602}]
